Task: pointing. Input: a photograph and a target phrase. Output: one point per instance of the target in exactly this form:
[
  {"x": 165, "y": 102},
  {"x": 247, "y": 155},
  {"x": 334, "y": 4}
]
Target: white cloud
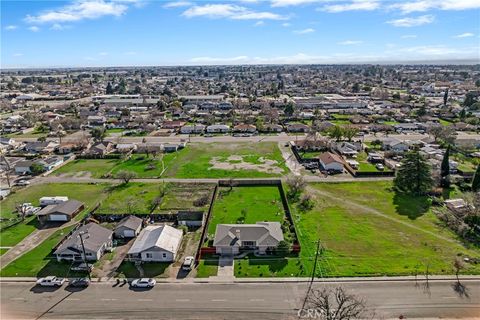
[
  {"x": 80, "y": 10},
  {"x": 304, "y": 31},
  {"x": 437, "y": 50},
  {"x": 287, "y": 3},
  {"x": 349, "y": 42},
  {"x": 34, "y": 28},
  {"x": 18, "y": 54},
  {"x": 11, "y": 27},
  {"x": 230, "y": 11},
  {"x": 412, "y": 21},
  {"x": 424, "y": 5},
  {"x": 259, "y": 23},
  {"x": 409, "y": 36},
  {"x": 355, "y": 5},
  {"x": 286, "y": 24},
  {"x": 464, "y": 35},
  {"x": 59, "y": 27},
  {"x": 103, "y": 54},
  {"x": 177, "y": 4}
]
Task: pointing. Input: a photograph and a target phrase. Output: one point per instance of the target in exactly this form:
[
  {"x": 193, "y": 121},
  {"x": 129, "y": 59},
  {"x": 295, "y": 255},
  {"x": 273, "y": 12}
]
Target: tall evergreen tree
[
  {"x": 476, "y": 180},
  {"x": 445, "y": 169},
  {"x": 109, "y": 89},
  {"x": 414, "y": 176},
  {"x": 445, "y": 97}
]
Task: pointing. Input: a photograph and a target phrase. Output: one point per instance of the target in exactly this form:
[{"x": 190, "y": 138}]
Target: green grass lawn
[
  {"x": 207, "y": 267},
  {"x": 40, "y": 260},
  {"x": 260, "y": 203},
  {"x": 195, "y": 160},
  {"x": 269, "y": 266},
  {"x": 136, "y": 197},
  {"x": 152, "y": 270},
  {"x": 96, "y": 167},
  {"x": 309, "y": 154},
  {"x": 364, "y": 165},
  {"x": 445, "y": 122},
  {"x": 2, "y": 251},
  {"x": 143, "y": 166},
  {"x": 359, "y": 243},
  {"x": 13, "y": 235}
]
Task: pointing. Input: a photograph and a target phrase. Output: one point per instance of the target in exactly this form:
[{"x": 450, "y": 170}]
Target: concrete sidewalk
[{"x": 274, "y": 280}]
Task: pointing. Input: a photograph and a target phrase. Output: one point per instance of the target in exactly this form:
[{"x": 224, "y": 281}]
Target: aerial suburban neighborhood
[{"x": 243, "y": 188}]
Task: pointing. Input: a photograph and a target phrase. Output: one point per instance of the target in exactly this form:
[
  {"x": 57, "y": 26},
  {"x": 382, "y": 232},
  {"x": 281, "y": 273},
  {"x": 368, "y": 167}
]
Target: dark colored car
[{"x": 79, "y": 282}]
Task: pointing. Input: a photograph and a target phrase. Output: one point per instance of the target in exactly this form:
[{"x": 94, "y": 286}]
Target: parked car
[
  {"x": 188, "y": 263},
  {"x": 82, "y": 267},
  {"x": 379, "y": 166},
  {"x": 79, "y": 282},
  {"x": 51, "y": 281},
  {"x": 143, "y": 283},
  {"x": 21, "y": 183}
]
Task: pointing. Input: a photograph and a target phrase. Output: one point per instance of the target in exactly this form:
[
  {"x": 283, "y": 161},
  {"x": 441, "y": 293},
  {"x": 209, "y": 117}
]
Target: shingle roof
[
  {"x": 328, "y": 157},
  {"x": 97, "y": 237},
  {"x": 130, "y": 222},
  {"x": 264, "y": 233},
  {"x": 162, "y": 237}
]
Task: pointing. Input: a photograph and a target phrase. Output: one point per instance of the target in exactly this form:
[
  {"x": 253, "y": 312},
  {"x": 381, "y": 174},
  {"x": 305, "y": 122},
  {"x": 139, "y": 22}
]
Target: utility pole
[
  {"x": 80, "y": 234},
  {"x": 313, "y": 274}
]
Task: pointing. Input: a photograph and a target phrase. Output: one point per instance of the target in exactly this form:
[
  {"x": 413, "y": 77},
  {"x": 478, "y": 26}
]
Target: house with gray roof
[
  {"x": 156, "y": 243},
  {"x": 96, "y": 240},
  {"x": 128, "y": 227},
  {"x": 61, "y": 212},
  {"x": 231, "y": 238}
]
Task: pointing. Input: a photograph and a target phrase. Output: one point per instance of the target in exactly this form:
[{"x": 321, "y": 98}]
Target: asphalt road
[{"x": 388, "y": 299}]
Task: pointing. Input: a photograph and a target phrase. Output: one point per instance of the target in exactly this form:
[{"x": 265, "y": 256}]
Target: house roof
[
  {"x": 162, "y": 237},
  {"x": 264, "y": 233},
  {"x": 328, "y": 157},
  {"x": 130, "y": 222},
  {"x": 68, "y": 208},
  {"x": 94, "y": 238}
]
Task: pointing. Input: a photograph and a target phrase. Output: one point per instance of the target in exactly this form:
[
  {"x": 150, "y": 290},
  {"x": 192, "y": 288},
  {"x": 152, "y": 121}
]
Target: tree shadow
[
  {"x": 411, "y": 206},
  {"x": 461, "y": 290}
]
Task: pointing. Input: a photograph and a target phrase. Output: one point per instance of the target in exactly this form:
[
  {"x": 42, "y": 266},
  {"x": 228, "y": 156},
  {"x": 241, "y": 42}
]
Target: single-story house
[
  {"x": 394, "y": 145},
  {"x": 128, "y": 227},
  {"x": 156, "y": 243},
  {"x": 61, "y": 212},
  {"x": 96, "y": 121},
  {"x": 170, "y": 147},
  {"x": 126, "y": 147},
  {"x": 23, "y": 167},
  {"x": 331, "y": 162},
  {"x": 218, "y": 128},
  {"x": 272, "y": 128},
  {"x": 245, "y": 128},
  {"x": 196, "y": 128},
  {"x": 312, "y": 145},
  {"x": 51, "y": 162},
  {"x": 101, "y": 148},
  {"x": 96, "y": 240},
  {"x": 297, "y": 127},
  {"x": 262, "y": 236},
  {"x": 374, "y": 157},
  {"x": 348, "y": 149},
  {"x": 190, "y": 218}
]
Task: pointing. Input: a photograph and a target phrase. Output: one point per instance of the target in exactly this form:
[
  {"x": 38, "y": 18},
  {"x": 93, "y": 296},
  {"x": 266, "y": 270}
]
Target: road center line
[
  {"x": 219, "y": 300},
  {"x": 182, "y": 300},
  {"x": 107, "y": 299},
  {"x": 144, "y": 299}
]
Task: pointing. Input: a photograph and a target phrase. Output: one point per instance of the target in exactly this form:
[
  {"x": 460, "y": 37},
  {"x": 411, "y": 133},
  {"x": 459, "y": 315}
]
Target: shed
[{"x": 128, "y": 227}]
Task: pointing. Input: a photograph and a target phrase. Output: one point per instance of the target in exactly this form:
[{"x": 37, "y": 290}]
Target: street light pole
[{"x": 80, "y": 234}]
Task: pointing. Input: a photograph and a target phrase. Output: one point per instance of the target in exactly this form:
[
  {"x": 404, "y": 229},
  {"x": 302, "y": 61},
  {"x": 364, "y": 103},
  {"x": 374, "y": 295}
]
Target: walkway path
[{"x": 30, "y": 242}]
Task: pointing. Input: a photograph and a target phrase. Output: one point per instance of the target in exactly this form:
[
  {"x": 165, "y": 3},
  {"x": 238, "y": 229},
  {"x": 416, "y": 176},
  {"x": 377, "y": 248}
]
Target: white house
[
  {"x": 156, "y": 243},
  {"x": 331, "y": 162},
  {"x": 218, "y": 128}
]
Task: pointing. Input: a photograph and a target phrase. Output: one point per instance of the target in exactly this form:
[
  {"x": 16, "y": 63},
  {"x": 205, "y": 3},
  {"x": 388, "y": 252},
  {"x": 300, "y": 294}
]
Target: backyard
[
  {"x": 227, "y": 160},
  {"x": 246, "y": 205}
]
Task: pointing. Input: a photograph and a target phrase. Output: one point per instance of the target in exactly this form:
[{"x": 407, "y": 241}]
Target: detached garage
[
  {"x": 128, "y": 227},
  {"x": 62, "y": 212}
]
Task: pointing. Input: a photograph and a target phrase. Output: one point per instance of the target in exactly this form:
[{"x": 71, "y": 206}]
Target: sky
[{"x": 91, "y": 33}]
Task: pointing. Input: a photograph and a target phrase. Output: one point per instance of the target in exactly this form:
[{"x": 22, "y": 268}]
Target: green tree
[
  {"x": 37, "y": 168},
  {"x": 445, "y": 169},
  {"x": 109, "y": 89},
  {"x": 476, "y": 180},
  {"x": 98, "y": 133},
  {"x": 470, "y": 98},
  {"x": 289, "y": 109},
  {"x": 349, "y": 132},
  {"x": 336, "y": 132},
  {"x": 414, "y": 176},
  {"x": 125, "y": 176}
]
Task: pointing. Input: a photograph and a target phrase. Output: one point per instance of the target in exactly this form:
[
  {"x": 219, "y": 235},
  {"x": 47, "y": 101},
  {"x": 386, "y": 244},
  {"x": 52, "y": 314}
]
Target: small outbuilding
[
  {"x": 128, "y": 227},
  {"x": 190, "y": 218},
  {"x": 61, "y": 212}
]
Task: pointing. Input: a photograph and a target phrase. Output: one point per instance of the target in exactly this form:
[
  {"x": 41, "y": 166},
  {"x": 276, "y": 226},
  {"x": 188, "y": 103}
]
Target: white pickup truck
[{"x": 51, "y": 281}]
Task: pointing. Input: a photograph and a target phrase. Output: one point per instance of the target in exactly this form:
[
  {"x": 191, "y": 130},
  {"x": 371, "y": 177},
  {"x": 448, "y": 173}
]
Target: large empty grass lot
[
  {"x": 259, "y": 203},
  {"x": 370, "y": 231},
  {"x": 145, "y": 198},
  {"x": 225, "y": 160}
]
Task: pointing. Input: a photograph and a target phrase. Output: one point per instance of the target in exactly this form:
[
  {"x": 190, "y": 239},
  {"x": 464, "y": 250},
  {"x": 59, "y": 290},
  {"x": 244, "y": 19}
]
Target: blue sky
[{"x": 141, "y": 32}]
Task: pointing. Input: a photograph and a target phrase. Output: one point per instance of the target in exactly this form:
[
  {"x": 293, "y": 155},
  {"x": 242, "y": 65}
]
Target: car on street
[
  {"x": 79, "y": 282},
  {"x": 21, "y": 183},
  {"x": 188, "y": 263},
  {"x": 82, "y": 267},
  {"x": 51, "y": 281},
  {"x": 379, "y": 166},
  {"x": 143, "y": 283}
]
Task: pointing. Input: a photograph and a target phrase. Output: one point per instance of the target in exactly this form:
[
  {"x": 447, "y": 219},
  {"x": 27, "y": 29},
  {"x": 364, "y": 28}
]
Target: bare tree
[
  {"x": 7, "y": 169},
  {"x": 296, "y": 185},
  {"x": 458, "y": 266},
  {"x": 336, "y": 304},
  {"x": 131, "y": 204},
  {"x": 126, "y": 176}
]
